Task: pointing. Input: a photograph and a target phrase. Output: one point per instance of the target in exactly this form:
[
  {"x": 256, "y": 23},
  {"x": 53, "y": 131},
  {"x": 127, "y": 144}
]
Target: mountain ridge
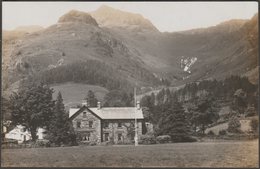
[{"x": 144, "y": 56}]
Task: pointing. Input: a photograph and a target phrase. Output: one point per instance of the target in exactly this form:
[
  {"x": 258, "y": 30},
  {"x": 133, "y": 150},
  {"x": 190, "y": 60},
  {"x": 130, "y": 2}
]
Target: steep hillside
[
  {"x": 217, "y": 51},
  {"x": 75, "y": 38},
  {"x": 133, "y": 48}
]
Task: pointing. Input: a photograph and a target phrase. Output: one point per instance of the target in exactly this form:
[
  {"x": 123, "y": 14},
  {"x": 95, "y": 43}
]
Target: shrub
[
  {"x": 88, "y": 143},
  {"x": 42, "y": 143},
  {"x": 92, "y": 143},
  {"x": 163, "y": 139},
  {"x": 147, "y": 139},
  {"x": 211, "y": 133},
  {"x": 222, "y": 132},
  {"x": 250, "y": 112},
  {"x": 120, "y": 142},
  {"x": 254, "y": 125},
  {"x": 234, "y": 125},
  {"x": 182, "y": 138}
]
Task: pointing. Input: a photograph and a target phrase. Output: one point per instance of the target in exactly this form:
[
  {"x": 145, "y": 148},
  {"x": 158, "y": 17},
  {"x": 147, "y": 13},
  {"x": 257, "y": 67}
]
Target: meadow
[{"x": 199, "y": 154}]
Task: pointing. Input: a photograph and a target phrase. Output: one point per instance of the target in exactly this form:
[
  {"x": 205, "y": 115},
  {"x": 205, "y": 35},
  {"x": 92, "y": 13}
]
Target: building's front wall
[
  {"x": 111, "y": 131},
  {"x": 88, "y": 126}
]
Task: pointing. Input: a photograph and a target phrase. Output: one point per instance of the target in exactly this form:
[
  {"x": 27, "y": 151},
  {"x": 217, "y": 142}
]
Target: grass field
[
  {"x": 74, "y": 93},
  {"x": 200, "y": 154}
]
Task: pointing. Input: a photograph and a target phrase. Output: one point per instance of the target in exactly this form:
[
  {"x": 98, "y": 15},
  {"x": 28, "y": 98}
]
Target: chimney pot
[
  {"x": 99, "y": 105},
  {"x": 138, "y": 105}
]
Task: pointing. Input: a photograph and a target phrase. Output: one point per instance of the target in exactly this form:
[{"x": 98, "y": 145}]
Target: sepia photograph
[{"x": 130, "y": 84}]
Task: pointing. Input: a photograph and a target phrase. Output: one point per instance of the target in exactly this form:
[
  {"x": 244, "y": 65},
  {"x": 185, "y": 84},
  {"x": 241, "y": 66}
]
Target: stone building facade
[{"x": 107, "y": 124}]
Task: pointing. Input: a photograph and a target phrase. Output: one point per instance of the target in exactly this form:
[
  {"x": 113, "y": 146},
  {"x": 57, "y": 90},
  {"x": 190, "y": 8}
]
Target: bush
[
  {"x": 42, "y": 143},
  {"x": 120, "y": 142},
  {"x": 211, "y": 133},
  {"x": 222, "y": 132},
  {"x": 250, "y": 111},
  {"x": 88, "y": 143},
  {"x": 147, "y": 139},
  {"x": 92, "y": 143},
  {"x": 234, "y": 125},
  {"x": 254, "y": 125},
  {"x": 163, "y": 139},
  {"x": 178, "y": 138}
]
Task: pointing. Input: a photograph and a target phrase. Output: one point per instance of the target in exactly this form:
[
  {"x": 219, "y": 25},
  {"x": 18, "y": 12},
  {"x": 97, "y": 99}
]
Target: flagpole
[{"x": 136, "y": 137}]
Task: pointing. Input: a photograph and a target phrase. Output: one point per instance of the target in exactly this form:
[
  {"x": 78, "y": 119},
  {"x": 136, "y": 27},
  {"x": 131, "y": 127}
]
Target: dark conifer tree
[
  {"x": 60, "y": 130},
  {"x": 174, "y": 123},
  {"x": 91, "y": 98}
]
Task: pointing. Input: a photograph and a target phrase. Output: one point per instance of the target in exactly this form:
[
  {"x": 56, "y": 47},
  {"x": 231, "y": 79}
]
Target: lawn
[{"x": 200, "y": 154}]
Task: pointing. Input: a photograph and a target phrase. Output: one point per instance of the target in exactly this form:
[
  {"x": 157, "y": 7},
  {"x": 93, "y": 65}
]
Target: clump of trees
[
  {"x": 174, "y": 123},
  {"x": 33, "y": 107},
  {"x": 119, "y": 98},
  {"x": 96, "y": 73},
  {"x": 200, "y": 102}
]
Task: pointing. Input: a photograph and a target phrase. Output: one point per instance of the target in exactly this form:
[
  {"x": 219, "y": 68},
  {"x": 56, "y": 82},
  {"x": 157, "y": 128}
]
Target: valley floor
[{"x": 200, "y": 154}]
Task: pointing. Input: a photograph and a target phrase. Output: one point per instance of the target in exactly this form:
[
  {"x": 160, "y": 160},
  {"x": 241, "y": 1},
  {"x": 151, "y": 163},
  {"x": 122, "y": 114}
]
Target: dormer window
[{"x": 84, "y": 114}]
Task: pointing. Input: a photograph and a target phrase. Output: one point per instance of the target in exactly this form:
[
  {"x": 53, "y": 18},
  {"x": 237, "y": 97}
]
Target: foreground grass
[{"x": 202, "y": 154}]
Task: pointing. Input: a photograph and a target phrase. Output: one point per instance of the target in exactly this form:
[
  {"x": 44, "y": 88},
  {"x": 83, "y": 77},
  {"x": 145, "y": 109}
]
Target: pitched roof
[{"x": 113, "y": 112}]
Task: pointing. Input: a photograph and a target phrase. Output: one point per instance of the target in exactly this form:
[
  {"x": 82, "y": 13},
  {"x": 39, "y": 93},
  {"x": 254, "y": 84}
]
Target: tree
[
  {"x": 174, "y": 123},
  {"x": 240, "y": 101},
  {"x": 254, "y": 125},
  {"x": 206, "y": 112},
  {"x": 32, "y": 107},
  {"x": 91, "y": 98},
  {"x": 5, "y": 105},
  {"x": 234, "y": 125},
  {"x": 60, "y": 130},
  {"x": 118, "y": 98}
]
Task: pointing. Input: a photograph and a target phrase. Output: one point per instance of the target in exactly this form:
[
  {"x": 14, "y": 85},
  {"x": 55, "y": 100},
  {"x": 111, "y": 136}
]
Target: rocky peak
[
  {"x": 77, "y": 16},
  {"x": 112, "y": 18},
  {"x": 232, "y": 25}
]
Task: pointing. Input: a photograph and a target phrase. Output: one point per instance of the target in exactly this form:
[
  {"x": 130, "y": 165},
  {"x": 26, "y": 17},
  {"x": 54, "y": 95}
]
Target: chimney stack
[
  {"x": 138, "y": 105},
  {"x": 98, "y": 105},
  {"x": 85, "y": 102}
]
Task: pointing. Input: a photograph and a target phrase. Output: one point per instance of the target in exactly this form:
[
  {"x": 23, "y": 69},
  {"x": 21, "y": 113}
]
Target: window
[
  {"x": 84, "y": 114},
  {"x": 106, "y": 136},
  {"x": 119, "y": 124},
  {"x": 86, "y": 137},
  {"x": 106, "y": 125},
  {"x": 120, "y": 137},
  {"x": 78, "y": 124},
  {"x": 90, "y": 124}
]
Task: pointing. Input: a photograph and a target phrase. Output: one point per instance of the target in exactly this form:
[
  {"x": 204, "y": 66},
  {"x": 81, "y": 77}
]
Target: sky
[{"x": 166, "y": 16}]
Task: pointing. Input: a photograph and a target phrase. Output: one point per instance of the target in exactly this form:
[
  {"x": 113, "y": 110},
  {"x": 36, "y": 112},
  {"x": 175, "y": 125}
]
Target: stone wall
[{"x": 127, "y": 130}]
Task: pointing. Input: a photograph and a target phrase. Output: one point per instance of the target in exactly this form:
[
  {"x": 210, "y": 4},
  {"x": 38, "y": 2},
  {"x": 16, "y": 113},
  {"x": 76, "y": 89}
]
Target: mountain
[
  {"x": 114, "y": 18},
  {"x": 116, "y": 49},
  {"x": 75, "y": 38},
  {"x": 77, "y": 16},
  {"x": 29, "y": 29}
]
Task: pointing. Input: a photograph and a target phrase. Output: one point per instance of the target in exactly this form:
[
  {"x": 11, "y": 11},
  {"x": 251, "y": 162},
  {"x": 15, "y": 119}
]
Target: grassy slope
[
  {"x": 73, "y": 93},
  {"x": 202, "y": 154}
]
